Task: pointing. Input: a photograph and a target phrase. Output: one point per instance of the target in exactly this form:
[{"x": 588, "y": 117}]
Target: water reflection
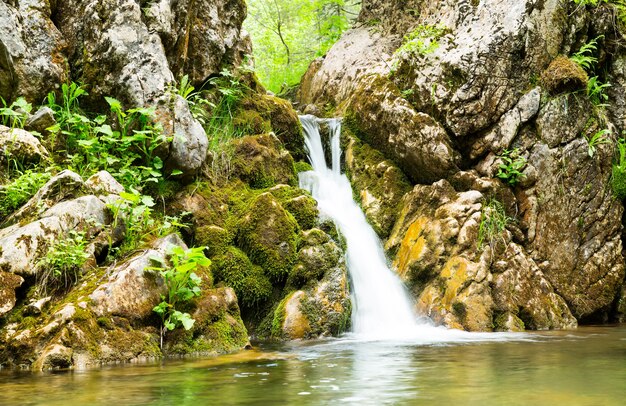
[{"x": 586, "y": 367}]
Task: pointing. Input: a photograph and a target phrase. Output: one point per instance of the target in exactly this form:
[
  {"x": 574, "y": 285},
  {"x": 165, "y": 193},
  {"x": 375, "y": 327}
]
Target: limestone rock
[
  {"x": 32, "y": 61},
  {"x": 21, "y": 247},
  {"x": 102, "y": 183},
  {"x": 41, "y": 120},
  {"x": 20, "y": 145},
  {"x": 132, "y": 290},
  {"x": 8, "y": 283}
]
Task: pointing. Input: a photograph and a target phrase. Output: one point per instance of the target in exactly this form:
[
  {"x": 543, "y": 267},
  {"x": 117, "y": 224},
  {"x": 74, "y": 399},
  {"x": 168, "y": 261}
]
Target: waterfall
[{"x": 381, "y": 306}]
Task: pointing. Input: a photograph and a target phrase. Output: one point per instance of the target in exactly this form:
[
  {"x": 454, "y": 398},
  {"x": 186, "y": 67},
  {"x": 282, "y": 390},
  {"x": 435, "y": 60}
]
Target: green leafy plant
[
  {"x": 198, "y": 105},
  {"x": 596, "y": 92},
  {"x": 134, "y": 211},
  {"x": 598, "y": 138},
  {"x": 16, "y": 193},
  {"x": 585, "y": 56},
  {"x": 61, "y": 266},
  {"x": 16, "y": 114},
  {"x": 182, "y": 285},
  {"x": 493, "y": 222},
  {"x": 510, "y": 170}
]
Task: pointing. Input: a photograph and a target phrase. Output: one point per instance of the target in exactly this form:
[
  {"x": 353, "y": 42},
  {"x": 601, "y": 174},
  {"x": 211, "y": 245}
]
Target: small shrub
[
  {"x": 510, "y": 170},
  {"x": 15, "y": 194},
  {"x": 61, "y": 266},
  {"x": 182, "y": 285},
  {"x": 16, "y": 114},
  {"x": 493, "y": 222}
]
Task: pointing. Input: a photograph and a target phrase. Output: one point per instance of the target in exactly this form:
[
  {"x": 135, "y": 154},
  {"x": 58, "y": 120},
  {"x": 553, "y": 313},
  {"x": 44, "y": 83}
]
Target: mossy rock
[
  {"x": 302, "y": 166},
  {"x": 564, "y": 75},
  {"x": 215, "y": 238},
  {"x": 283, "y": 120},
  {"x": 268, "y": 234},
  {"x": 250, "y": 122},
  {"x": 260, "y": 162},
  {"x": 234, "y": 269},
  {"x": 304, "y": 210}
]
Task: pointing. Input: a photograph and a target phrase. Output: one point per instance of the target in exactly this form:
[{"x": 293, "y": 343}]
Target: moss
[
  {"x": 279, "y": 319},
  {"x": 215, "y": 238},
  {"x": 259, "y": 162},
  {"x": 250, "y": 122},
  {"x": 304, "y": 210},
  {"x": 105, "y": 322},
  {"x": 618, "y": 182},
  {"x": 302, "y": 166},
  {"x": 249, "y": 282},
  {"x": 459, "y": 310},
  {"x": 268, "y": 234},
  {"x": 564, "y": 75},
  {"x": 282, "y": 118}
]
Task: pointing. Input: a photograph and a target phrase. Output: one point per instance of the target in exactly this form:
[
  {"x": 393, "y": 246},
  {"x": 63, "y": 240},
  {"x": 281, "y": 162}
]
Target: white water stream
[{"x": 382, "y": 308}]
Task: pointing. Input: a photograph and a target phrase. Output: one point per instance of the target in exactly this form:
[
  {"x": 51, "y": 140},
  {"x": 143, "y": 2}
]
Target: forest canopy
[{"x": 288, "y": 34}]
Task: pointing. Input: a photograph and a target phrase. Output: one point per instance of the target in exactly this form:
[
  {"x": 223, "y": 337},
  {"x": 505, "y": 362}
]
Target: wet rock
[
  {"x": 54, "y": 356},
  {"x": 21, "y": 146}
]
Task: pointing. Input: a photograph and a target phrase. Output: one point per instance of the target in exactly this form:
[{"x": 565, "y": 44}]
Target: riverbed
[{"x": 581, "y": 367}]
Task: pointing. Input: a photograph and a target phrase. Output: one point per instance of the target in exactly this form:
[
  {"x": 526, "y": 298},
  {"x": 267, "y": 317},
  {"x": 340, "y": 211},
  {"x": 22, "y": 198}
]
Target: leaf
[
  {"x": 186, "y": 321},
  {"x": 177, "y": 172}
]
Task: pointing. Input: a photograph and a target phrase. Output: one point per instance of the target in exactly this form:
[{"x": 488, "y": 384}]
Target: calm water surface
[{"x": 582, "y": 367}]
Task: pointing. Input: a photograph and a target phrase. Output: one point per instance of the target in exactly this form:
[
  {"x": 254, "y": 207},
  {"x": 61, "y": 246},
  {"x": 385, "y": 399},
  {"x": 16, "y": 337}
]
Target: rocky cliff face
[
  {"x": 275, "y": 267},
  {"x": 448, "y": 91}
]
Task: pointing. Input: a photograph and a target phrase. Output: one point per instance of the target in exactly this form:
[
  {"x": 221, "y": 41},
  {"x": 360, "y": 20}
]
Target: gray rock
[
  {"x": 20, "y": 145},
  {"x": 22, "y": 247},
  {"x": 132, "y": 290},
  {"x": 32, "y": 61},
  {"x": 41, "y": 120},
  {"x": 102, "y": 183}
]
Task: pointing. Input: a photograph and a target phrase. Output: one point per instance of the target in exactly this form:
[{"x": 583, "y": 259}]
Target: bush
[{"x": 20, "y": 190}]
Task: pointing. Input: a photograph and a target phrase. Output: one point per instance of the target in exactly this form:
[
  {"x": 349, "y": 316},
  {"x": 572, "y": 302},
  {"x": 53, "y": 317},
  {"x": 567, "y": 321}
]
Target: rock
[
  {"x": 261, "y": 163},
  {"x": 189, "y": 146},
  {"x": 268, "y": 235},
  {"x": 35, "y": 307},
  {"x": 20, "y": 146},
  {"x": 456, "y": 282},
  {"x": 380, "y": 116},
  {"x": 54, "y": 356},
  {"x": 132, "y": 289},
  {"x": 41, "y": 120},
  {"x": 102, "y": 183},
  {"x": 32, "y": 61},
  {"x": 217, "y": 329},
  {"x": 380, "y": 182},
  {"x": 21, "y": 247},
  {"x": 8, "y": 283}
]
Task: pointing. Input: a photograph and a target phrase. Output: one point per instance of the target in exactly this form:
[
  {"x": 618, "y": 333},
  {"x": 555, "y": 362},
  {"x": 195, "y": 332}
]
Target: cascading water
[{"x": 381, "y": 306}]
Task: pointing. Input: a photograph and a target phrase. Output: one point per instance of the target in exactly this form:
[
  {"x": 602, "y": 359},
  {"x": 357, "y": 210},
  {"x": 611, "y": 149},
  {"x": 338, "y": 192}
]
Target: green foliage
[
  {"x": 61, "y": 266},
  {"x": 596, "y": 92},
  {"x": 493, "y": 222},
  {"x": 16, "y": 193},
  {"x": 598, "y": 138},
  {"x": 510, "y": 170},
  {"x": 182, "y": 285},
  {"x": 618, "y": 179},
  {"x": 289, "y": 34},
  {"x": 134, "y": 211},
  {"x": 125, "y": 147},
  {"x": 16, "y": 114},
  {"x": 197, "y": 104},
  {"x": 585, "y": 56}
]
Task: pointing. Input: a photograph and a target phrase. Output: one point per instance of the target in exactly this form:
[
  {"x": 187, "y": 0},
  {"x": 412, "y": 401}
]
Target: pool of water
[{"x": 582, "y": 367}]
